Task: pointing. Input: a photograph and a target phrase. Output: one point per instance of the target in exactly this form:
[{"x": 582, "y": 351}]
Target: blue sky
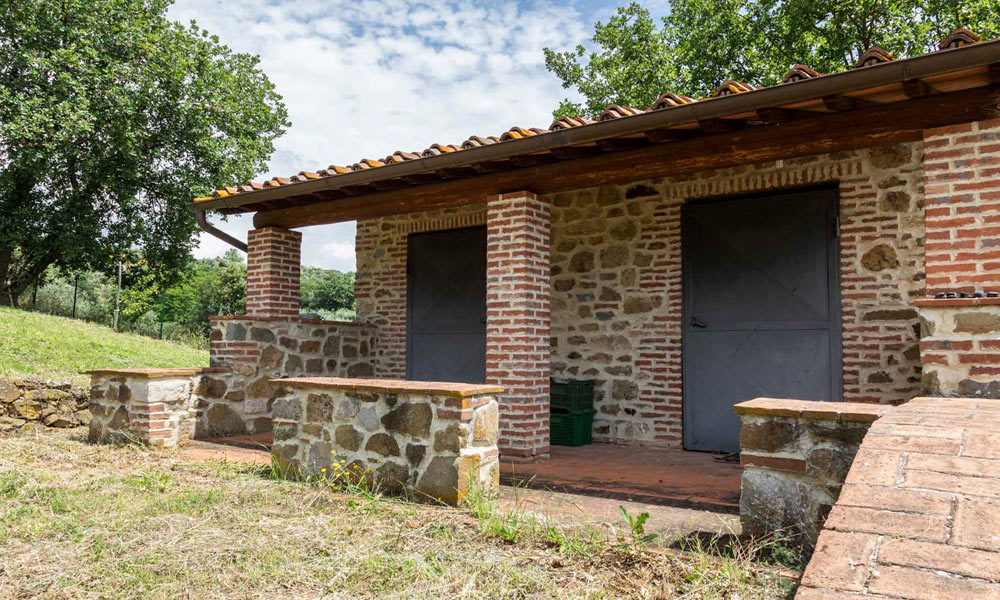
[{"x": 363, "y": 79}]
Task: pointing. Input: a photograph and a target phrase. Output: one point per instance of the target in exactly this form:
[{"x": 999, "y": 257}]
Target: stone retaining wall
[
  {"x": 430, "y": 441},
  {"x": 27, "y": 400},
  {"x": 260, "y": 349},
  {"x": 919, "y": 515},
  {"x": 158, "y": 407},
  {"x": 795, "y": 456}
]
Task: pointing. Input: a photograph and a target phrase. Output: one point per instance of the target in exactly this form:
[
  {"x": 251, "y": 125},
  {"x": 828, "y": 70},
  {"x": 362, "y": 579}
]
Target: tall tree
[
  {"x": 111, "y": 118},
  {"x": 701, "y": 43}
]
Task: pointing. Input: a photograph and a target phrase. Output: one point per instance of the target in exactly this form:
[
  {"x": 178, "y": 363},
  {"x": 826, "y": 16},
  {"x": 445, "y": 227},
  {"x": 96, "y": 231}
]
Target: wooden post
[{"x": 118, "y": 297}]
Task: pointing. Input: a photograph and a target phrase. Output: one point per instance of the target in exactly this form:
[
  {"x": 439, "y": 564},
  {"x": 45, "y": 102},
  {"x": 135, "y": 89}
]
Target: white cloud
[{"x": 363, "y": 79}]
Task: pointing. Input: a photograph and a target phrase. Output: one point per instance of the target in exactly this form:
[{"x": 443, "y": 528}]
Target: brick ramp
[{"x": 919, "y": 514}]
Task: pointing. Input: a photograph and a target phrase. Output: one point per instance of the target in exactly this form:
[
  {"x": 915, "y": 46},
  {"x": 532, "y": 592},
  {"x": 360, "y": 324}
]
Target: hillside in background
[{"x": 59, "y": 348}]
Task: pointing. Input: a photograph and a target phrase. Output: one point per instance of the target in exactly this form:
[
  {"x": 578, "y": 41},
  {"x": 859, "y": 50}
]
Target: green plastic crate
[
  {"x": 572, "y": 396},
  {"x": 573, "y": 429}
]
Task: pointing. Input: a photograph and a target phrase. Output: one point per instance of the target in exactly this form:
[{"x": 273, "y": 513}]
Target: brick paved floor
[
  {"x": 919, "y": 515},
  {"x": 633, "y": 473}
]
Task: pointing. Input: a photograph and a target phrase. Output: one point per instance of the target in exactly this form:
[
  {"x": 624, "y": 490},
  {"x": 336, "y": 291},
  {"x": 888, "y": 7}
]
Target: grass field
[
  {"x": 59, "y": 348},
  {"x": 86, "y": 522}
]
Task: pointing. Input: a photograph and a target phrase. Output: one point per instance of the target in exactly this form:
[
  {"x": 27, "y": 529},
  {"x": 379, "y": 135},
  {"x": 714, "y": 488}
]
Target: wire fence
[{"x": 93, "y": 303}]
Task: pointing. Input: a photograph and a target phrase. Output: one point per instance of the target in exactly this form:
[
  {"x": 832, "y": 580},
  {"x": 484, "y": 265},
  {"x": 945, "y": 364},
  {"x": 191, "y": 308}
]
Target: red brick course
[
  {"x": 962, "y": 190},
  {"x": 920, "y": 519},
  {"x": 273, "y": 272}
]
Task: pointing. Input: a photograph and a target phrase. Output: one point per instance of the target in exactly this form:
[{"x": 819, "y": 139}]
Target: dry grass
[{"x": 80, "y": 521}]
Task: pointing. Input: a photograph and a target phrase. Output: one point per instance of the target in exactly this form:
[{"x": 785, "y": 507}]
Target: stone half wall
[
  {"x": 158, "y": 407},
  {"x": 616, "y": 281},
  {"x": 795, "y": 456},
  {"x": 431, "y": 442},
  {"x": 257, "y": 350}
]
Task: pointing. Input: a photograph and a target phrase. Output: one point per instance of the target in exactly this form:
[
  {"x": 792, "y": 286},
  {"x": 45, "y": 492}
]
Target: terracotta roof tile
[
  {"x": 476, "y": 141},
  {"x": 730, "y": 87},
  {"x": 567, "y": 122},
  {"x": 617, "y": 112},
  {"x": 399, "y": 156},
  {"x": 873, "y": 56},
  {"x": 516, "y": 133},
  {"x": 436, "y": 149},
  {"x": 365, "y": 163},
  {"x": 670, "y": 99},
  {"x": 960, "y": 37},
  {"x": 333, "y": 170},
  {"x": 800, "y": 72}
]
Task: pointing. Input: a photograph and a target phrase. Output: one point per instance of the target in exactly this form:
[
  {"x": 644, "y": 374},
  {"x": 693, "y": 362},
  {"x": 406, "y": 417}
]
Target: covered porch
[{"x": 567, "y": 253}]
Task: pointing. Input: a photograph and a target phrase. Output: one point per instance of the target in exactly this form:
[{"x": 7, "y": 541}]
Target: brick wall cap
[
  {"x": 154, "y": 373},
  {"x": 851, "y": 412},
  {"x": 945, "y": 302},
  {"x": 289, "y": 320},
  {"x": 394, "y": 386}
]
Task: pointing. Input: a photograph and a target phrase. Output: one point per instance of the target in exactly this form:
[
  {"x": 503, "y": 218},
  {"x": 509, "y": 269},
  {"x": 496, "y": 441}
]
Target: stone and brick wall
[
  {"x": 960, "y": 346},
  {"x": 431, "y": 442},
  {"x": 380, "y": 282},
  {"x": 258, "y": 349},
  {"x": 30, "y": 400},
  {"x": 157, "y": 407},
  {"x": 795, "y": 456},
  {"x": 616, "y": 288},
  {"x": 919, "y": 515},
  {"x": 616, "y": 281}
]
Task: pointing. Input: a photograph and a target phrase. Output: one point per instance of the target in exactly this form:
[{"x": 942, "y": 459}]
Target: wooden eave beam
[
  {"x": 571, "y": 152},
  {"x": 842, "y": 103},
  {"x": 783, "y": 115},
  {"x": 916, "y": 88},
  {"x": 621, "y": 144},
  {"x": 659, "y": 136},
  {"x": 720, "y": 125},
  {"x": 882, "y": 124}
]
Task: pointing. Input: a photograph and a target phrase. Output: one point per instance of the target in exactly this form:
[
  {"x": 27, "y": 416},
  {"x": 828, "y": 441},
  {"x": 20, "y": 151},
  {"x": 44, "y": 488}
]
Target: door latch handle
[{"x": 695, "y": 322}]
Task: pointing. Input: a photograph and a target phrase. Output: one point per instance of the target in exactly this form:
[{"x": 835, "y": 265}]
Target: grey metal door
[
  {"x": 446, "y": 306},
  {"x": 761, "y": 308}
]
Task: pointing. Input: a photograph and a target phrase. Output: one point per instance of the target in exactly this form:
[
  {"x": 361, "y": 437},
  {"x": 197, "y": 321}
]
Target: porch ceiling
[{"x": 888, "y": 102}]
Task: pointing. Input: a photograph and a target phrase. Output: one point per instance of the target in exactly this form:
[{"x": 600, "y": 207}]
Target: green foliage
[
  {"x": 111, "y": 118},
  {"x": 211, "y": 286},
  {"x": 637, "y": 535},
  {"x": 701, "y": 43},
  {"x": 327, "y": 291}
]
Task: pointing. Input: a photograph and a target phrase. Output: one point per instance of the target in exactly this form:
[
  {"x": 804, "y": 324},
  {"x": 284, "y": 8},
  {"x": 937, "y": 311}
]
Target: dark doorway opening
[
  {"x": 761, "y": 308},
  {"x": 446, "y": 306}
]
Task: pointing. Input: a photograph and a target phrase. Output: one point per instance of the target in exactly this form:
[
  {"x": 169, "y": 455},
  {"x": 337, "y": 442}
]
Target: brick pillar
[
  {"x": 960, "y": 337},
  {"x": 962, "y": 215},
  {"x": 518, "y": 331},
  {"x": 273, "y": 272}
]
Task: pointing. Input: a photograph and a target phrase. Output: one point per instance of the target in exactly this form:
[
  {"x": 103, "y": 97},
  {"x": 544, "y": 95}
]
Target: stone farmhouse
[
  {"x": 807, "y": 273},
  {"x": 833, "y": 237}
]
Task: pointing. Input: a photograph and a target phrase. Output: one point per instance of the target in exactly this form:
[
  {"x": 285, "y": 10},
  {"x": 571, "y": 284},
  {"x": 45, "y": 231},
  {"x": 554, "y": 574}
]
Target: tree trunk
[
  {"x": 6, "y": 296},
  {"x": 22, "y": 275}
]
